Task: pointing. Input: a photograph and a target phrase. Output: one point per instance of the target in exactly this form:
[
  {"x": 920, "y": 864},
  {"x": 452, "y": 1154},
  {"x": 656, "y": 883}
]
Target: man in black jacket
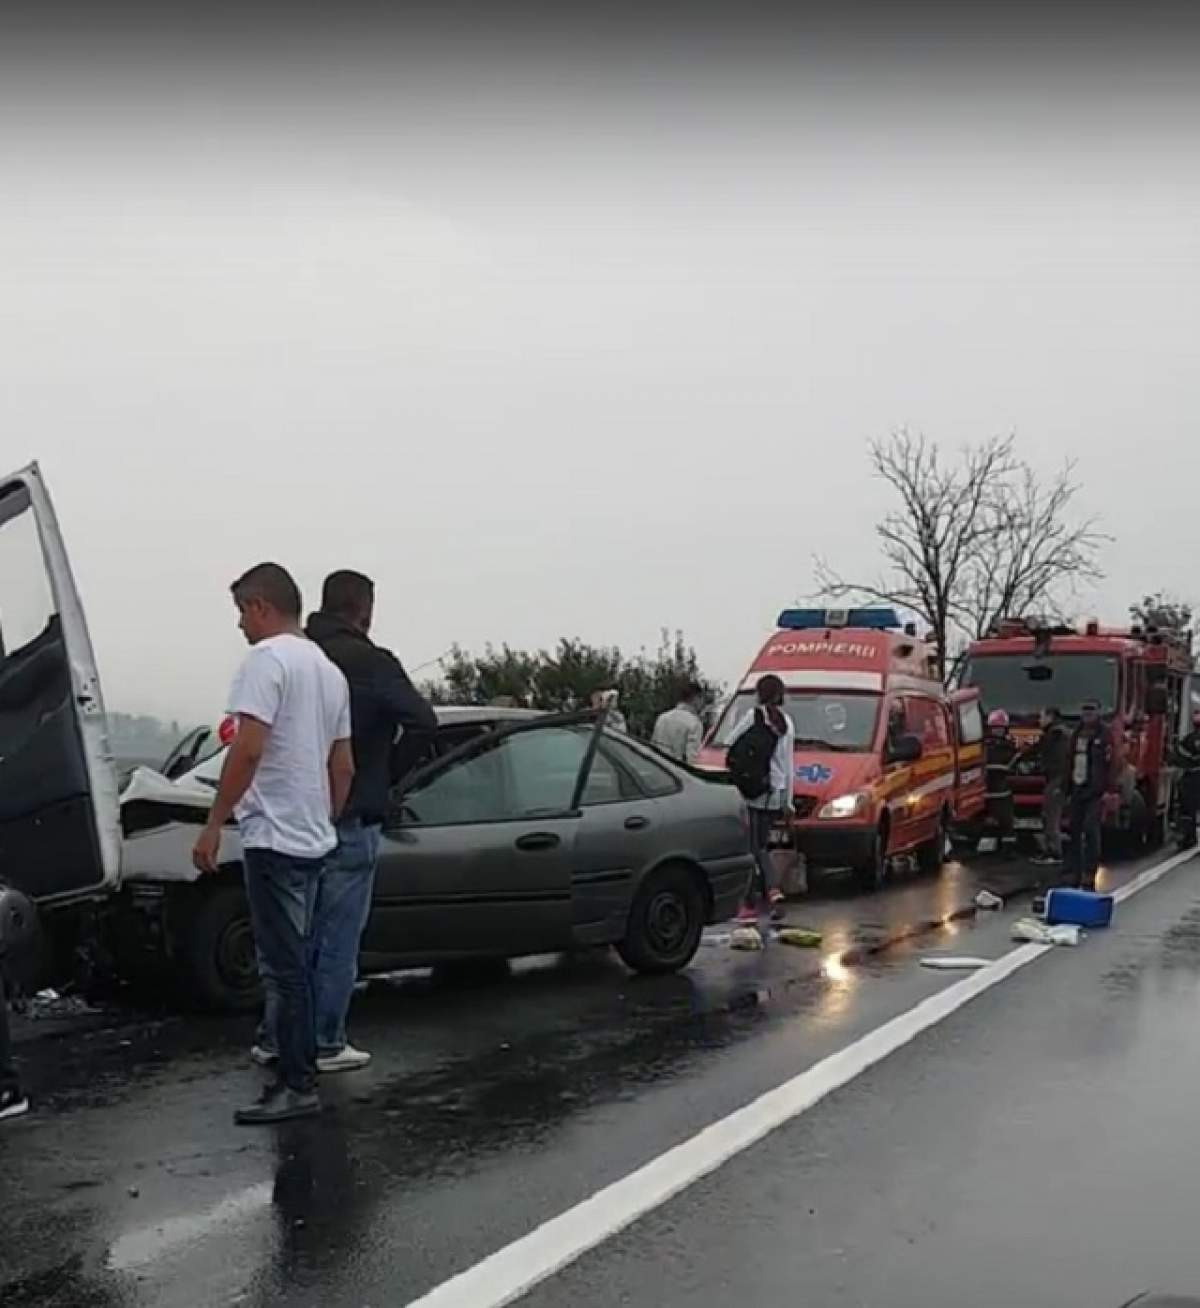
[
  {"x": 1055, "y": 752},
  {"x": 382, "y": 698},
  {"x": 1187, "y": 759},
  {"x": 1091, "y": 768}
]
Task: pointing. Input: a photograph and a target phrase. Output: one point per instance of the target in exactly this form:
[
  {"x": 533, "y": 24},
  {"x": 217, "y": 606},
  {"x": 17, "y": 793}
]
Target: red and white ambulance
[{"x": 887, "y": 760}]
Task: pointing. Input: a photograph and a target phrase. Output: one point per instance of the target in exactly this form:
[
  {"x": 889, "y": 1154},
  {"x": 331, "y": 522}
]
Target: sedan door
[
  {"x": 476, "y": 854},
  {"x": 621, "y": 835},
  {"x": 60, "y": 831}
]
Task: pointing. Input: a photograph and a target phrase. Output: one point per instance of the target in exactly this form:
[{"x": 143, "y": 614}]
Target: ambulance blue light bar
[{"x": 815, "y": 619}]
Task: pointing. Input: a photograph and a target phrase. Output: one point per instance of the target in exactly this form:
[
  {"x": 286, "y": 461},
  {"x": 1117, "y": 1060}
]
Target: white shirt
[
  {"x": 678, "y": 732},
  {"x": 782, "y": 763},
  {"x": 288, "y": 684}
]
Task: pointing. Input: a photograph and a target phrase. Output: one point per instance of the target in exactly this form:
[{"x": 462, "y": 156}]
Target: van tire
[
  {"x": 217, "y": 950},
  {"x": 932, "y": 854},
  {"x": 665, "y": 921},
  {"x": 872, "y": 874}
]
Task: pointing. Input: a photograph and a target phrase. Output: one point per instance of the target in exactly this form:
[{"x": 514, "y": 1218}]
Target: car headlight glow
[{"x": 844, "y": 806}]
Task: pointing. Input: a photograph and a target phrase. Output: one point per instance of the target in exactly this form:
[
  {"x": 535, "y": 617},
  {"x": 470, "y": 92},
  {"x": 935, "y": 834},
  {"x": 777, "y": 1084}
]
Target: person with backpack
[{"x": 760, "y": 762}]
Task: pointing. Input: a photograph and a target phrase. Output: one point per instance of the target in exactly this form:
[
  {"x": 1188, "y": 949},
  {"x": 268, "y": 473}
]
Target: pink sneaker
[{"x": 746, "y": 916}]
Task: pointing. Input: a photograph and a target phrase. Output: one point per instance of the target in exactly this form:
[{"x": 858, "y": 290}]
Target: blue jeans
[
  {"x": 282, "y": 892},
  {"x": 343, "y": 906}
]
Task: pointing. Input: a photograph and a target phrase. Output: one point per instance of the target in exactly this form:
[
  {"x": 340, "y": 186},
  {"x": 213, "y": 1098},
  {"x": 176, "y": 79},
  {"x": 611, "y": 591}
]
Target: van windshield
[
  {"x": 1022, "y": 686},
  {"x": 824, "y": 720}
]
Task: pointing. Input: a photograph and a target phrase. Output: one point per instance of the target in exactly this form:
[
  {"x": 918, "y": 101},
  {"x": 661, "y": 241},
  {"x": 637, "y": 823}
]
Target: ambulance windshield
[
  {"x": 824, "y": 720},
  {"x": 1023, "y": 686}
]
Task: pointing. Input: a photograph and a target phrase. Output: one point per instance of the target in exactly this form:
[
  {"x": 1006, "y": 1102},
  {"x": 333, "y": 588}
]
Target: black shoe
[
  {"x": 12, "y": 1103},
  {"x": 279, "y": 1104}
]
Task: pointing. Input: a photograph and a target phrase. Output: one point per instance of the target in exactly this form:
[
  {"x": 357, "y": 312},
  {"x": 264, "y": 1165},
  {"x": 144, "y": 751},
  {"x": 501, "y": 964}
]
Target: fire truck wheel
[
  {"x": 1155, "y": 827},
  {"x": 873, "y": 873},
  {"x": 932, "y": 854}
]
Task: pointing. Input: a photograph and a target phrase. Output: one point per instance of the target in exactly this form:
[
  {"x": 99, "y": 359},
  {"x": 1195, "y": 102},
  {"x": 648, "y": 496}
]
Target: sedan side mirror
[{"x": 904, "y": 749}]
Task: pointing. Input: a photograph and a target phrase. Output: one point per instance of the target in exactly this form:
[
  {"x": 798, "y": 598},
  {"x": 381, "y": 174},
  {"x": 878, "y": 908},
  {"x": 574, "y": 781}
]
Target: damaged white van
[{"x": 97, "y": 864}]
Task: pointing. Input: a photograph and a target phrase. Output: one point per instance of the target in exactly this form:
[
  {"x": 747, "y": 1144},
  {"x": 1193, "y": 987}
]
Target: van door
[
  {"x": 60, "y": 835},
  {"x": 970, "y": 788}
]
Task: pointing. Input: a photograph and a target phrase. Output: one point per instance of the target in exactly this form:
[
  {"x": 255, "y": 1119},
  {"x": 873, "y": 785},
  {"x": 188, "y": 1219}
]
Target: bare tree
[
  {"x": 974, "y": 539},
  {"x": 1163, "y": 610}
]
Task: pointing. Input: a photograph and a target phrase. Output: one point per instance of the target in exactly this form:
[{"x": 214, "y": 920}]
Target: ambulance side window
[
  {"x": 926, "y": 719},
  {"x": 970, "y": 722}
]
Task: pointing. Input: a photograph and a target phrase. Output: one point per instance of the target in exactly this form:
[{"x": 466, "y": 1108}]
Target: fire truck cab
[
  {"x": 1142, "y": 680},
  {"x": 887, "y": 762}
]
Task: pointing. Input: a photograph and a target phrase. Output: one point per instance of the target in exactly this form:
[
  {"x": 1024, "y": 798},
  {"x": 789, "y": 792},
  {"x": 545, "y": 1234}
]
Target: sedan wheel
[{"x": 665, "y": 922}]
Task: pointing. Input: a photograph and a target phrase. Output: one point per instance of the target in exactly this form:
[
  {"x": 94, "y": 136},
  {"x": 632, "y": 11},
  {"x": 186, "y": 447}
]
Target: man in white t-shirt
[{"x": 286, "y": 778}]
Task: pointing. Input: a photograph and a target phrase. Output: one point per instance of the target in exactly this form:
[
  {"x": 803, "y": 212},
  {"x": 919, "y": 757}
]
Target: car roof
[{"x": 450, "y": 714}]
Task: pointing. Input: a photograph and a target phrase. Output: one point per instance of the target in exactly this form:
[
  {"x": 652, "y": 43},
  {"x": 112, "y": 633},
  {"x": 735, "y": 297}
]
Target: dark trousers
[
  {"x": 1189, "y": 804},
  {"x": 282, "y": 892},
  {"x": 8, "y": 1073},
  {"x": 762, "y": 821},
  {"x": 1053, "y": 802},
  {"x": 1083, "y": 856}
]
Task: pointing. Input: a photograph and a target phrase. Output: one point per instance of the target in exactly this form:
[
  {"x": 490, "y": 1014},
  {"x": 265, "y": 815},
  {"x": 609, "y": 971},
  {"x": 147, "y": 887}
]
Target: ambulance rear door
[{"x": 969, "y": 788}]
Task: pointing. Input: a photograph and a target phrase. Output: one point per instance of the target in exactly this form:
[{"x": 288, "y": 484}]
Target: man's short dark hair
[
  {"x": 347, "y": 594},
  {"x": 272, "y": 584},
  {"x": 1053, "y": 712},
  {"x": 691, "y": 690}
]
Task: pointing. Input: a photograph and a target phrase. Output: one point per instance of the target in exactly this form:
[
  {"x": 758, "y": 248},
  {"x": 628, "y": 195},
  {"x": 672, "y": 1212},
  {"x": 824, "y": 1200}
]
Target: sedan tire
[
  {"x": 218, "y": 951},
  {"x": 665, "y": 922}
]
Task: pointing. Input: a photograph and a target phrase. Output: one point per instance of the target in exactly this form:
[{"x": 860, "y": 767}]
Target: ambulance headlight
[{"x": 844, "y": 806}]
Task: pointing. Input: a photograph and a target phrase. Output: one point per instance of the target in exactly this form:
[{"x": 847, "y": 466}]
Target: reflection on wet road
[{"x": 488, "y": 1109}]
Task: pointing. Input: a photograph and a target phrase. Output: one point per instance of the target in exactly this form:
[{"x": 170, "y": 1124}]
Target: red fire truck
[{"x": 1141, "y": 678}]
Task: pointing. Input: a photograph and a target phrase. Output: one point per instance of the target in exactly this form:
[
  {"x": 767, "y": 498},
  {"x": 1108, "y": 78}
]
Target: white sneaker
[
  {"x": 263, "y": 1056},
  {"x": 348, "y": 1059}
]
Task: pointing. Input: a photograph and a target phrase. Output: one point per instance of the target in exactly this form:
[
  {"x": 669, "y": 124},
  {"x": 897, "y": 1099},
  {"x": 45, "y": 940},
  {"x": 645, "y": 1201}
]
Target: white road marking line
[{"x": 510, "y": 1272}]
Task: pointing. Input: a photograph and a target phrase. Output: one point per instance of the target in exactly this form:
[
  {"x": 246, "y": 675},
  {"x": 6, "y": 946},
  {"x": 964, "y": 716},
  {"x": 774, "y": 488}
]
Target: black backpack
[{"x": 748, "y": 760}]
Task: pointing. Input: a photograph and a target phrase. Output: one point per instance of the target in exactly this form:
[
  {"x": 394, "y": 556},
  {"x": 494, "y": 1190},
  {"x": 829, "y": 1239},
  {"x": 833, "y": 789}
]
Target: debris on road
[
  {"x": 1082, "y": 908},
  {"x": 717, "y": 939},
  {"x": 988, "y": 902},
  {"x": 801, "y": 937},
  {"x": 747, "y": 938},
  {"x": 954, "y": 962},
  {"x": 1032, "y": 931}
]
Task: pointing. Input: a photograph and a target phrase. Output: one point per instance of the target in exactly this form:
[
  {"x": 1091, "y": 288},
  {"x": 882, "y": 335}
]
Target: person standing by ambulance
[
  {"x": 1091, "y": 763},
  {"x": 761, "y": 758},
  {"x": 679, "y": 731}
]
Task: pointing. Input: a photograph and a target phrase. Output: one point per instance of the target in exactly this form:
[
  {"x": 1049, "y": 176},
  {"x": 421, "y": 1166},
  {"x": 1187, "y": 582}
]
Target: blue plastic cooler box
[{"x": 1078, "y": 907}]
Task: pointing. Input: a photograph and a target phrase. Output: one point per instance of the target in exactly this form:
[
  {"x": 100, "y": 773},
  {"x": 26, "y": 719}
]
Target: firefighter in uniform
[
  {"x": 1000, "y": 752},
  {"x": 1186, "y": 757}
]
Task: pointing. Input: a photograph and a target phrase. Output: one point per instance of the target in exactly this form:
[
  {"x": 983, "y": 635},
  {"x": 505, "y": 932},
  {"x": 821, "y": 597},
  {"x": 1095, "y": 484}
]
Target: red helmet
[{"x": 998, "y": 718}]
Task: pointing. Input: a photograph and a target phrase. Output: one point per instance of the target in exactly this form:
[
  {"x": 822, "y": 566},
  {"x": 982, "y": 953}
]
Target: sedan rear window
[{"x": 652, "y": 777}]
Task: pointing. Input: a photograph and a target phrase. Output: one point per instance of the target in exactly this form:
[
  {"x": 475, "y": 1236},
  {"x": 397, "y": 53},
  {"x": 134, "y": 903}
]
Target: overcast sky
[{"x": 578, "y": 331}]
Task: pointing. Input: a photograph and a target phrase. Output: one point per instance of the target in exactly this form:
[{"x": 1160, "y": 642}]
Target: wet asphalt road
[{"x": 491, "y": 1108}]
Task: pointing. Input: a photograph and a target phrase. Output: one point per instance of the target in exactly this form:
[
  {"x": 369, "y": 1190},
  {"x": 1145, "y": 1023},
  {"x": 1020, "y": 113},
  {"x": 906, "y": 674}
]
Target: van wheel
[
  {"x": 932, "y": 854},
  {"x": 217, "y": 951},
  {"x": 873, "y": 873},
  {"x": 665, "y": 922}
]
